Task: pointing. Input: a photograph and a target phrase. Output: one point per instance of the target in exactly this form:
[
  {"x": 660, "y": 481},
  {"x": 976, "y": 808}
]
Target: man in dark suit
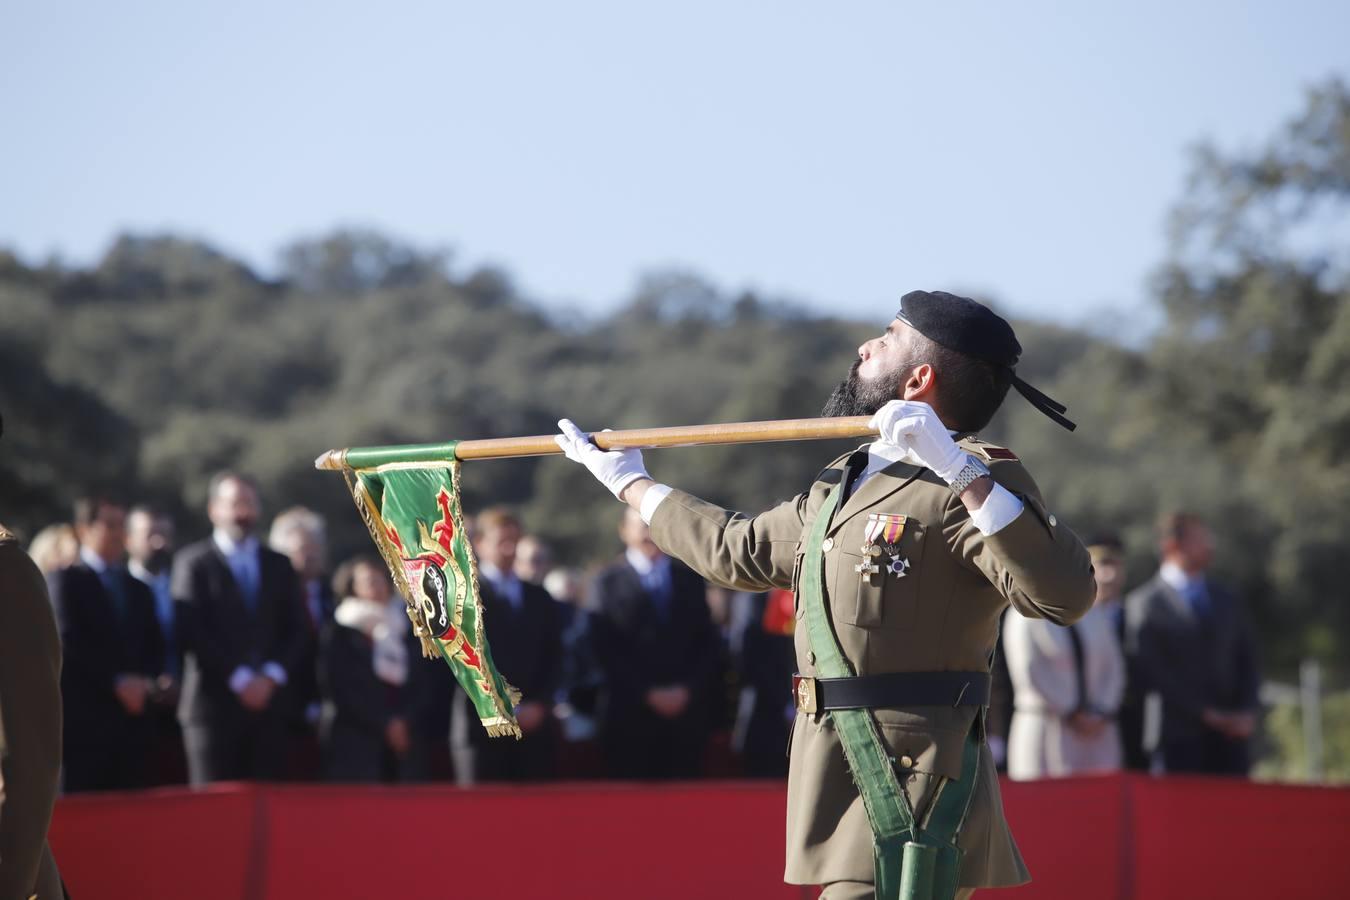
[
  {"x": 301, "y": 535},
  {"x": 1189, "y": 646},
  {"x": 525, "y": 632},
  {"x": 657, "y": 647},
  {"x": 113, "y": 655},
  {"x": 239, "y": 624},
  {"x": 150, "y": 540}
]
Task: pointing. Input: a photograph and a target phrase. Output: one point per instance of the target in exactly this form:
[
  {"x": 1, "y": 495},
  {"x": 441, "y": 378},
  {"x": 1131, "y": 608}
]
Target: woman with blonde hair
[{"x": 54, "y": 547}]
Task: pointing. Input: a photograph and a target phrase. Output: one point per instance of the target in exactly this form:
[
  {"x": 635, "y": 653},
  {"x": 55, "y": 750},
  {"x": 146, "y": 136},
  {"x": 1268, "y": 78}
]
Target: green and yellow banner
[{"x": 409, "y": 498}]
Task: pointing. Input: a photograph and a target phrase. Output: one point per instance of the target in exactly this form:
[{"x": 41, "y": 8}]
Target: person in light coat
[{"x": 1065, "y": 700}]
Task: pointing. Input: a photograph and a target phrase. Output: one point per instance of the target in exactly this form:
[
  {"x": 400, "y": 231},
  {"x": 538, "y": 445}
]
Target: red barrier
[
  {"x": 1256, "y": 840},
  {"x": 701, "y": 840},
  {"x": 1071, "y": 833},
  {"x": 1116, "y": 838},
  {"x": 162, "y": 843}
]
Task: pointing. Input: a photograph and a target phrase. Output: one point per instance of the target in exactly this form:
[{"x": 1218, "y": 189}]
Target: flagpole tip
[{"x": 330, "y": 460}]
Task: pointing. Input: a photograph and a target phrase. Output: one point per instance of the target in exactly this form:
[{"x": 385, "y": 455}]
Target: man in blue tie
[
  {"x": 113, "y": 655},
  {"x": 658, "y": 650},
  {"x": 525, "y": 629},
  {"x": 150, "y": 544},
  {"x": 1192, "y": 658},
  {"x": 238, "y": 608}
]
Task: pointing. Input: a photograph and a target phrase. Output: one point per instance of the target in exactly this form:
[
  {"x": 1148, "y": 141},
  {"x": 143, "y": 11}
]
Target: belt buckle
[{"x": 804, "y": 693}]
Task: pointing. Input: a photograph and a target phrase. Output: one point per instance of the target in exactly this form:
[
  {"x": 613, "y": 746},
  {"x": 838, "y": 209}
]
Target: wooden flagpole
[{"x": 652, "y": 438}]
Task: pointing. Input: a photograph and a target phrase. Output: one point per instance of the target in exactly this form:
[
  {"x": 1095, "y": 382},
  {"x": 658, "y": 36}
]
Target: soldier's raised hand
[
  {"x": 615, "y": 469},
  {"x": 912, "y": 425}
]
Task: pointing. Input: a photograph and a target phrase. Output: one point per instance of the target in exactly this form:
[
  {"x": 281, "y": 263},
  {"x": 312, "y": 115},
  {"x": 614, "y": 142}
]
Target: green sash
[{"x": 910, "y": 862}]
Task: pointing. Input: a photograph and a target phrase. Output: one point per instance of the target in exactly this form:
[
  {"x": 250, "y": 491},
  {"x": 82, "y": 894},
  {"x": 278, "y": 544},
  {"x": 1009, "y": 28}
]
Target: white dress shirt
[{"x": 654, "y": 573}]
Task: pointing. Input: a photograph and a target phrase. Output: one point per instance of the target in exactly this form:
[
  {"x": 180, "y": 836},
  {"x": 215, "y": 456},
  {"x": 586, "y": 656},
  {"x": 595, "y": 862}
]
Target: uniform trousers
[{"x": 865, "y": 890}]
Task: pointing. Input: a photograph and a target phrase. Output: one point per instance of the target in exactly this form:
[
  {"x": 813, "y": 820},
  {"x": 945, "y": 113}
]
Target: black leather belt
[{"x": 892, "y": 690}]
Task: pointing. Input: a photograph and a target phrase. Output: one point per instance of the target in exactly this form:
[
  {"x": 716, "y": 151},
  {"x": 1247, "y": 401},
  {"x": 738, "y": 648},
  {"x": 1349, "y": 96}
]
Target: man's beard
[{"x": 856, "y": 397}]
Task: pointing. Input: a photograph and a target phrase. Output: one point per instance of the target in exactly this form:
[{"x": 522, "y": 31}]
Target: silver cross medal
[
  {"x": 868, "y": 567},
  {"x": 898, "y": 566}
]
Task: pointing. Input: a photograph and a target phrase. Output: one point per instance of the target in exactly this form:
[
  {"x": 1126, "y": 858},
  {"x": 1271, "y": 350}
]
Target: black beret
[
  {"x": 961, "y": 324},
  {"x": 973, "y": 329}
]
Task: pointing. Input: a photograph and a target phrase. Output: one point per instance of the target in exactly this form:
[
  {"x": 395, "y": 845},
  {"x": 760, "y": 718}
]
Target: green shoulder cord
[{"x": 910, "y": 863}]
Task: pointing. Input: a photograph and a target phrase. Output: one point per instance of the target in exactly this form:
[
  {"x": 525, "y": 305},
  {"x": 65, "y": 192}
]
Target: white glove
[
  {"x": 914, "y": 427},
  {"x": 615, "y": 469}
]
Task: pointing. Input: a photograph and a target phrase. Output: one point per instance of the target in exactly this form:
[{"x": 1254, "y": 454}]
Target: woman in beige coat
[{"x": 1065, "y": 699}]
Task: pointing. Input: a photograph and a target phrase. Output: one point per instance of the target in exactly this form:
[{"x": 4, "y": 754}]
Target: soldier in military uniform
[
  {"x": 902, "y": 556},
  {"x": 30, "y": 726}
]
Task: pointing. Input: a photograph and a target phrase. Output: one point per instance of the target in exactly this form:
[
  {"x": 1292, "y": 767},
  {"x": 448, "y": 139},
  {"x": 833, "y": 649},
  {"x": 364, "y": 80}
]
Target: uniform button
[
  {"x": 906, "y": 762},
  {"x": 810, "y": 658},
  {"x": 828, "y": 545},
  {"x": 1053, "y": 521}
]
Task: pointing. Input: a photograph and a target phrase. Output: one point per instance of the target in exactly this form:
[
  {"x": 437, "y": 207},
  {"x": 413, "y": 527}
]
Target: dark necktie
[
  {"x": 242, "y": 568},
  {"x": 1196, "y": 595},
  {"x": 1079, "y": 669},
  {"x": 111, "y": 577},
  {"x": 658, "y": 589}
]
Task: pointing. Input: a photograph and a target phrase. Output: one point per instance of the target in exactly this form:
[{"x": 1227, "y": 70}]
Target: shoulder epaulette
[{"x": 992, "y": 452}]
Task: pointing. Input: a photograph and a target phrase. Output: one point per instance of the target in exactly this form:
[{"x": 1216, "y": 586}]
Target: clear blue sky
[{"x": 836, "y": 153}]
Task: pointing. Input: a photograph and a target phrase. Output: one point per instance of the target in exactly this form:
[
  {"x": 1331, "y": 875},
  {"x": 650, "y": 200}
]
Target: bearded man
[{"x": 902, "y": 556}]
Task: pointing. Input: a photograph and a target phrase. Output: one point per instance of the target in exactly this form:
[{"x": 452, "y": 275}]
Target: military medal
[
  {"x": 867, "y": 568},
  {"x": 885, "y": 529}
]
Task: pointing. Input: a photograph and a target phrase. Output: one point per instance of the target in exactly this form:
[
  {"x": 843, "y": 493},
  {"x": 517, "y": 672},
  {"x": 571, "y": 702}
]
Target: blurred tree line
[{"x": 168, "y": 360}]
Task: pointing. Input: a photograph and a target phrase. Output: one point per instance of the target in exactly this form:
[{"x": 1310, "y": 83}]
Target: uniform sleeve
[
  {"x": 1039, "y": 565},
  {"x": 30, "y": 713},
  {"x": 743, "y": 553}
]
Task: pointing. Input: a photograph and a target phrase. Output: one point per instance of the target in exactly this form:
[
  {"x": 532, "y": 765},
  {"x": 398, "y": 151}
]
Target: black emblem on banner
[{"x": 436, "y": 590}]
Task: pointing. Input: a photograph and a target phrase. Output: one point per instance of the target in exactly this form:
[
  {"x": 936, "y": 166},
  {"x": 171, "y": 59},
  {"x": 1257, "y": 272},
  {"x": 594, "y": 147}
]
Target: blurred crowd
[{"x": 244, "y": 656}]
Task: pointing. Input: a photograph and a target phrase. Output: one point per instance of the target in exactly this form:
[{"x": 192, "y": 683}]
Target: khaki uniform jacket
[
  {"x": 30, "y": 727},
  {"x": 941, "y": 615}
]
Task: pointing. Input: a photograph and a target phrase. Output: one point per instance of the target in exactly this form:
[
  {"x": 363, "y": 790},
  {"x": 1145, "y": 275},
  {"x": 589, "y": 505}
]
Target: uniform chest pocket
[{"x": 887, "y": 597}]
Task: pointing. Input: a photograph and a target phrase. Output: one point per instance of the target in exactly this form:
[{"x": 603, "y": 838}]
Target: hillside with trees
[{"x": 166, "y": 360}]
